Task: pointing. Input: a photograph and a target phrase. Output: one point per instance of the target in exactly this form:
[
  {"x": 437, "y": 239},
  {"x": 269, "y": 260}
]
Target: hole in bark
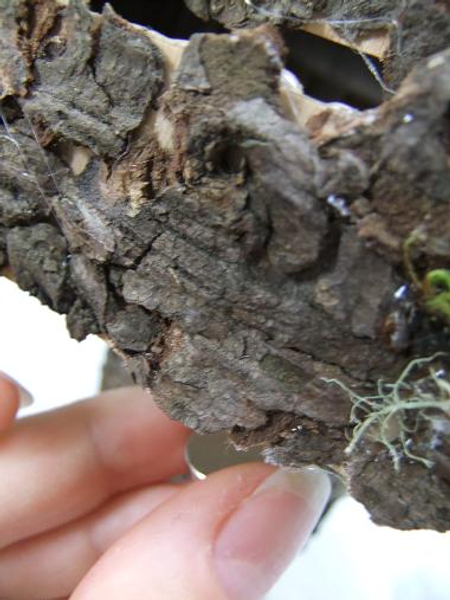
[
  {"x": 170, "y": 17},
  {"x": 331, "y": 72},
  {"x": 228, "y": 159},
  {"x": 9, "y": 110},
  {"x": 445, "y": 135},
  {"x": 328, "y": 71}
]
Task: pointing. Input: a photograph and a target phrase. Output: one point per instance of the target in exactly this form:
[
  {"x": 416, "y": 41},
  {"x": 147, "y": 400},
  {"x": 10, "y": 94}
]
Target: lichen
[{"x": 395, "y": 413}]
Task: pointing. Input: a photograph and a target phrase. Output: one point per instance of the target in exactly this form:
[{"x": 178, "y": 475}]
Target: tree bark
[
  {"x": 235, "y": 248},
  {"x": 398, "y": 32}
]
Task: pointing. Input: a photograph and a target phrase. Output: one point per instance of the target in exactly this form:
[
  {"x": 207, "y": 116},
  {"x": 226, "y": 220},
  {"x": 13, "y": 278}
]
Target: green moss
[{"x": 436, "y": 287}]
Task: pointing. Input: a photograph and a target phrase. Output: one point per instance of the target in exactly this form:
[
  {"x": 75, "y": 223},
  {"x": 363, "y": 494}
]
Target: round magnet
[{"x": 213, "y": 451}]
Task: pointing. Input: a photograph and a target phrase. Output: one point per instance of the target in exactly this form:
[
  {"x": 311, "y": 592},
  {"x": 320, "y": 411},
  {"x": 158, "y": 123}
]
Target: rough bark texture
[
  {"x": 231, "y": 257},
  {"x": 416, "y": 28}
]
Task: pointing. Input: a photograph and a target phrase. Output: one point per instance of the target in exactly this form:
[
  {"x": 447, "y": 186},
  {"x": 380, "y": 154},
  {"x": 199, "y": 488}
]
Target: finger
[
  {"x": 63, "y": 464},
  {"x": 52, "y": 564},
  {"x": 228, "y": 537},
  {"x": 12, "y": 397},
  {"x": 9, "y": 402}
]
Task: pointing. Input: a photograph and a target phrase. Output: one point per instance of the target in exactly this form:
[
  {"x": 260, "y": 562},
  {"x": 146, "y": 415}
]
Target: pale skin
[{"x": 87, "y": 510}]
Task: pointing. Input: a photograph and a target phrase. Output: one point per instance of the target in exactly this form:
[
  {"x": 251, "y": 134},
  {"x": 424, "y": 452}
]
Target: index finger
[{"x": 57, "y": 466}]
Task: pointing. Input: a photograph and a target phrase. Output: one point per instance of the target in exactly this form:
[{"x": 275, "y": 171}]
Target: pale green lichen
[{"x": 393, "y": 414}]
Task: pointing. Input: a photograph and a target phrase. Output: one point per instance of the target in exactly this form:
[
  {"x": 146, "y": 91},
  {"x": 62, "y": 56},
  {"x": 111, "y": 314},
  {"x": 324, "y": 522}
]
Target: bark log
[
  {"x": 235, "y": 249},
  {"x": 398, "y": 32}
]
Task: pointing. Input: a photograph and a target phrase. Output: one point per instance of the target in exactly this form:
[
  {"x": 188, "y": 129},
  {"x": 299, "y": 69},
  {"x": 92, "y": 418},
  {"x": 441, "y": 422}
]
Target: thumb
[
  {"x": 226, "y": 538},
  {"x": 12, "y": 397}
]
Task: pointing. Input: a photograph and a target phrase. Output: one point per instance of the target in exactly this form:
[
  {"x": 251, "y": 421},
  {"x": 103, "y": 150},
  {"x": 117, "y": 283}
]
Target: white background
[{"x": 348, "y": 559}]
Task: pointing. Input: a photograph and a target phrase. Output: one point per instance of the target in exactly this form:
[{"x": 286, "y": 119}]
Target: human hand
[
  {"x": 87, "y": 510},
  {"x": 12, "y": 397}
]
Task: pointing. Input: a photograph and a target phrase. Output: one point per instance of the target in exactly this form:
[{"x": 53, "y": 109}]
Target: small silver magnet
[{"x": 213, "y": 451}]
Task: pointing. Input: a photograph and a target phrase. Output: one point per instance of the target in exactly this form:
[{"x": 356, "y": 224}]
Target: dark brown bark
[
  {"x": 416, "y": 29},
  {"x": 232, "y": 257}
]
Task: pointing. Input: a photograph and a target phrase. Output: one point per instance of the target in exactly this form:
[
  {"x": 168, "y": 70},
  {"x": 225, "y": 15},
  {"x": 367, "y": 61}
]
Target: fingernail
[
  {"x": 263, "y": 535},
  {"x": 25, "y": 397}
]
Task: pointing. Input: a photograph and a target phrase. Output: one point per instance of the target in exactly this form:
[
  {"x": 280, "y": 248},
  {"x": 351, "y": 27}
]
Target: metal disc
[{"x": 213, "y": 451}]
